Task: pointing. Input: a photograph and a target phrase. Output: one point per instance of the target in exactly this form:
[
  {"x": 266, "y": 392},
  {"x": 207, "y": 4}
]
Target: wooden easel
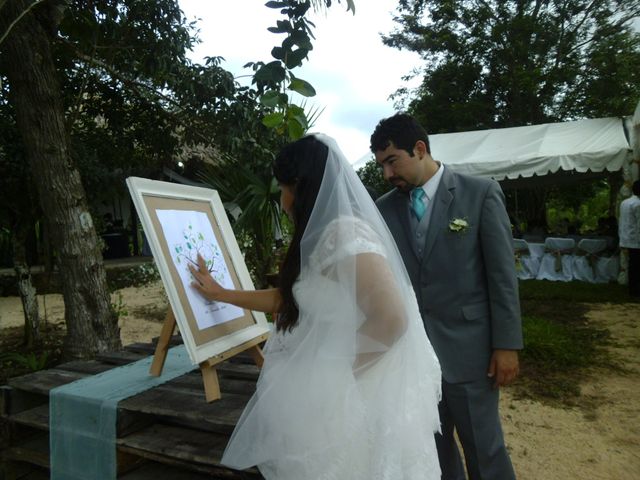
[{"x": 209, "y": 374}]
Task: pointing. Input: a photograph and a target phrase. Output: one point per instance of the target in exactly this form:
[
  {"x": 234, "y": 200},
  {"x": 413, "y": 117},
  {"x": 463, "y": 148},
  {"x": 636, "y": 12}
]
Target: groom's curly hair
[
  {"x": 299, "y": 164},
  {"x": 401, "y": 129}
]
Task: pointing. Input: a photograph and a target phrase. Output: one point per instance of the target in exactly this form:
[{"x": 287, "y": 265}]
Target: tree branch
[
  {"x": 13, "y": 24},
  {"x": 137, "y": 86}
]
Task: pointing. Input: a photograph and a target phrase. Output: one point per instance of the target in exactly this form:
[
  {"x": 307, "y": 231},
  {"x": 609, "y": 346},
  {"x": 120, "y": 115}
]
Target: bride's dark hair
[{"x": 299, "y": 164}]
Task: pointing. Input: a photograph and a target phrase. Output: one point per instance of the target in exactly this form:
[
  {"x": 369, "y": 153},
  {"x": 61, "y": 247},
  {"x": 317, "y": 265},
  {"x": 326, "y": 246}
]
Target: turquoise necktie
[{"x": 417, "y": 205}]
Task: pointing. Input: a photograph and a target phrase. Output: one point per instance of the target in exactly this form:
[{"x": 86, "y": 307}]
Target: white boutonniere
[{"x": 458, "y": 225}]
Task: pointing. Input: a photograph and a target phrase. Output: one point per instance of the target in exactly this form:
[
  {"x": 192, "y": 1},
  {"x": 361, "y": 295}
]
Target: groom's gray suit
[{"x": 466, "y": 287}]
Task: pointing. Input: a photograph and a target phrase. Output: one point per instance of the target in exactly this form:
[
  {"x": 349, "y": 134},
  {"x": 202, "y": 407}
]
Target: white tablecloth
[{"x": 607, "y": 266}]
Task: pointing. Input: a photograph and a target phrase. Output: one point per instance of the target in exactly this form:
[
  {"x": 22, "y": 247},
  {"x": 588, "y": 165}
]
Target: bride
[{"x": 350, "y": 384}]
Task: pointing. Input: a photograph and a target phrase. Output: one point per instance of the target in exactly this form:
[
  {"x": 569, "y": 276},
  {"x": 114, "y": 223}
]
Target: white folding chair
[
  {"x": 556, "y": 263},
  {"x": 585, "y": 258},
  {"x": 526, "y": 264},
  {"x": 607, "y": 269}
]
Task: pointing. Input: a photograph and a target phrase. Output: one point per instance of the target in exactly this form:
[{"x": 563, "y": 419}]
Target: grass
[
  {"x": 543, "y": 290},
  {"x": 561, "y": 349}
]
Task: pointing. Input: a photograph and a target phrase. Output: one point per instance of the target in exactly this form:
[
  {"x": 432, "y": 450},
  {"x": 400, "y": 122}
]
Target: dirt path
[
  {"x": 600, "y": 442},
  {"x": 597, "y": 443},
  {"x": 145, "y": 308}
]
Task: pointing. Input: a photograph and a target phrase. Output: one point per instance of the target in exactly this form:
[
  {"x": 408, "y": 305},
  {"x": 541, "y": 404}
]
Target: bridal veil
[{"x": 352, "y": 391}]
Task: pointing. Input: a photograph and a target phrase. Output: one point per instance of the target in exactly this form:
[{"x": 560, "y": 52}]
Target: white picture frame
[{"x": 158, "y": 204}]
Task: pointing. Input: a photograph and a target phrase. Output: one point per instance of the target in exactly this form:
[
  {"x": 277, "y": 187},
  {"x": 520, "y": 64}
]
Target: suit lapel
[{"x": 439, "y": 214}]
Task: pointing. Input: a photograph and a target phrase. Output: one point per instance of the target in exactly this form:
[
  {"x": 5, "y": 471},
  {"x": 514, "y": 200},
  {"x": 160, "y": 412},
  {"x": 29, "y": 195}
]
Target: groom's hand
[{"x": 504, "y": 367}]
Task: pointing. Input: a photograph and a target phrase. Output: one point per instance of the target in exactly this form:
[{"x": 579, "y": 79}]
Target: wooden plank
[
  {"x": 22, "y": 471},
  {"x": 120, "y": 357},
  {"x": 181, "y": 401},
  {"x": 239, "y": 370},
  {"x": 36, "y": 474},
  {"x": 13, "y": 401},
  {"x": 92, "y": 367},
  {"x": 188, "y": 407},
  {"x": 217, "y": 359},
  {"x": 155, "y": 471},
  {"x": 37, "y": 417},
  {"x": 193, "y": 381},
  {"x": 200, "y": 451},
  {"x": 43, "y": 381},
  {"x": 140, "y": 348},
  {"x": 5, "y": 400},
  {"x": 34, "y": 450}
]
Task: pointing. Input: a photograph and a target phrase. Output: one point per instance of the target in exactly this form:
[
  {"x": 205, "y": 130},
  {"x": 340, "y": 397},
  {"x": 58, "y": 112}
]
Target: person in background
[{"x": 629, "y": 233}]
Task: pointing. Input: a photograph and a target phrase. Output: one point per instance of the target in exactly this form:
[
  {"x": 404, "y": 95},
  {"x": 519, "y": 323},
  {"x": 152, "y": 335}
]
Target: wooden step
[
  {"x": 34, "y": 450},
  {"x": 186, "y": 448}
]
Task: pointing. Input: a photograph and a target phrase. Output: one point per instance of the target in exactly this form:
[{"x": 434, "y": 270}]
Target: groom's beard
[{"x": 401, "y": 184}]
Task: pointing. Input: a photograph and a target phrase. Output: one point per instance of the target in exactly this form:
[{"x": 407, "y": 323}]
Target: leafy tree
[
  {"x": 249, "y": 188},
  {"x": 275, "y": 78},
  {"x": 491, "y": 64},
  {"x": 102, "y": 90},
  {"x": 371, "y": 176}
]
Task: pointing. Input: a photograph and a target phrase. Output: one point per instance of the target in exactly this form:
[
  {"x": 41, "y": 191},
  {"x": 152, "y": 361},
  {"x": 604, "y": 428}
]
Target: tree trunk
[
  {"x": 25, "y": 289},
  {"x": 92, "y": 325}
]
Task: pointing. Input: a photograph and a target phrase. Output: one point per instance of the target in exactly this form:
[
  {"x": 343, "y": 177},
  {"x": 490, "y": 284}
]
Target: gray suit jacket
[{"x": 466, "y": 283}]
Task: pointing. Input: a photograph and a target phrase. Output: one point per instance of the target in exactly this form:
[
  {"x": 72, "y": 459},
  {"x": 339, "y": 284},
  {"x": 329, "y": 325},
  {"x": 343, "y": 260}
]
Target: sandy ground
[
  {"x": 145, "y": 308},
  {"x": 600, "y": 442},
  {"x": 596, "y": 443}
]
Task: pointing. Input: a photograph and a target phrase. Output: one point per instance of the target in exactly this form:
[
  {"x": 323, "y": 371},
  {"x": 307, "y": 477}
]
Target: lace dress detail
[{"x": 345, "y": 237}]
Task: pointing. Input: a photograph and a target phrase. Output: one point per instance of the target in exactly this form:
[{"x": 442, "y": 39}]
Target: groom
[{"x": 454, "y": 236}]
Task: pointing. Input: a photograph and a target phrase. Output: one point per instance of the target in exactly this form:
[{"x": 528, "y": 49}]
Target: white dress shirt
[
  {"x": 629, "y": 222},
  {"x": 430, "y": 188}
]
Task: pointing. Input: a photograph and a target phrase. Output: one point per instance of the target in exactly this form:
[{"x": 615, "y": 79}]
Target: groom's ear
[{"x": 420, "y": 149}]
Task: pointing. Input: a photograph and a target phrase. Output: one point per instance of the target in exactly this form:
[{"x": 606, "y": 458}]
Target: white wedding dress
[{"x": 345, "y": 395}]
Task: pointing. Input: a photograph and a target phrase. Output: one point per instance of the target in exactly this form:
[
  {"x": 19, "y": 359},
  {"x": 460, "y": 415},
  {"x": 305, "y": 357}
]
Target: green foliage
[
  {"x": 31, "y": 361},
  {"x": 582, "y": 205},
  {"x": 511, "y": 63},
  {"x": 144, "y": 274},
  {"x": 492, "y": 64},
  {"x": 253, "y": 192},
  {"x": 275, "y": 78},
  {"x": 118, "y": 307},
  {"x": 371, "y": 176}
]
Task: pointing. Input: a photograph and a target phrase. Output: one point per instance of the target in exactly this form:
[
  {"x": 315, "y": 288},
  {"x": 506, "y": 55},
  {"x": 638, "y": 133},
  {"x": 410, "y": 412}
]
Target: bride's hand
[{"x": 204, "y": 282}]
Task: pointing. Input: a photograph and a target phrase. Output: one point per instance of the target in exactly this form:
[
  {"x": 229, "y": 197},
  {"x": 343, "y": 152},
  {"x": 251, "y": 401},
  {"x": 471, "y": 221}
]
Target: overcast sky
[{"x": 351, "y": 70}]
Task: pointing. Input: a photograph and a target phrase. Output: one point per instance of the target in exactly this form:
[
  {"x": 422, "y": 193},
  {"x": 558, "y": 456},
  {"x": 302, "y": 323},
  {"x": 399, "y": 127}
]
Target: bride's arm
[
  {"x": 268, "y": 300},
  {"x": 379, "y": 299}
]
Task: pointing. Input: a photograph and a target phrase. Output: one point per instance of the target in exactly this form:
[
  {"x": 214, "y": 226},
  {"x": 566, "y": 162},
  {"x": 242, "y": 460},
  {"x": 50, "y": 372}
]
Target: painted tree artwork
[
  {"x": 189, "y": 234},
  {"x": 195, "y": 244}
]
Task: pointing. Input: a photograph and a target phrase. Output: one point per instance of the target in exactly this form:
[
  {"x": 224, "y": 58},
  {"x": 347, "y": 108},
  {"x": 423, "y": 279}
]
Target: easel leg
[
  {"x": 257, "y": 355},
  {"x": 211, "y": 384},
  {"x": 162, "y": 347}
]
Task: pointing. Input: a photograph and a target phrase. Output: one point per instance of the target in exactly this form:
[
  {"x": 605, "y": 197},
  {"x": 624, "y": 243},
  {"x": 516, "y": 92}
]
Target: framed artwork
[{"x": 181, "y": 222}]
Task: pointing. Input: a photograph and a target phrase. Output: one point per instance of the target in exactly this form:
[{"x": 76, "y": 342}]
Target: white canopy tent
[{"x": 592, "y": 145}]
